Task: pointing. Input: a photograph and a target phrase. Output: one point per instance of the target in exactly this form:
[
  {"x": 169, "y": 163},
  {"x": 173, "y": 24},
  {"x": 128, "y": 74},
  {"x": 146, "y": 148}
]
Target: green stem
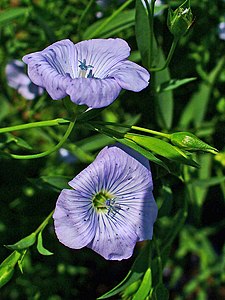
[
  {"x": 166, "y": 135},
  {"x": 85, "y": 12},
  {"x": 108, "y": 20},
  {"x": 59, "y": 121},
  {"x": 44, "y": 223},
  {"x": 169, "y": 57},
  {"x": 45, "y": 153},
  {"x": 151, "y": 24},
  {"x": 151, "y": 131},
  {"x": 159, "y": 260}
]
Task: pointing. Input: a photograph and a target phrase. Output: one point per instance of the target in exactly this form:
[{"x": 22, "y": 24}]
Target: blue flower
[
  {"x": 91, "y": 72},
  {"x": 110, "y": 206},
  {"x": 18, "y": 80},
  {"x": 221, "y": 29}
]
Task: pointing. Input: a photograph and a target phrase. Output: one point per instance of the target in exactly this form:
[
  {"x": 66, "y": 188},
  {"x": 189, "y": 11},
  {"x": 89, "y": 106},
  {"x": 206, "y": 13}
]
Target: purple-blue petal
[
  {"x": 126, "y": 176},
  {"x": 130, "y": 76},
  {"x": 94, "y": 93},
  {"x": 74, "y": 225},
  {"x": 91, "y": 72},
  {"x": 102, "y": 54}
]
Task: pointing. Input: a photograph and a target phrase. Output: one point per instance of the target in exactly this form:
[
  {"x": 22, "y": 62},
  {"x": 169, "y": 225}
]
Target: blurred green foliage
[{"x": 188, "y": 251}]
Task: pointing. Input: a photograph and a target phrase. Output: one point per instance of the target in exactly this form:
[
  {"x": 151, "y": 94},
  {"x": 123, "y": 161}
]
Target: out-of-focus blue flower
[
  {"x": 18, "y": 80},
  {"x": 221, "y": 29},
  {"x": 111, "y": 205},
  {"x": 91, "y": 72},
  {"x": 67, "y": 156}
]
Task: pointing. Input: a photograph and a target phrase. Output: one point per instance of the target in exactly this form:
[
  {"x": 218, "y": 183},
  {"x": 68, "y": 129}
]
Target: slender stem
[
  {"x": 44, "y": 223},
  {"x": 169, "y": 57},
  {"x": 151, "y": 24},
  {"x": 59, "y": 121},
  {"x": 85, "y": 12},
  {"x": 45, "y": 153},
  {"x": 109, "y": 19},
  {"x": 166, "y": 135},
  {"x": 159, "y": 260},
  {"x": 151, "y": 131}
]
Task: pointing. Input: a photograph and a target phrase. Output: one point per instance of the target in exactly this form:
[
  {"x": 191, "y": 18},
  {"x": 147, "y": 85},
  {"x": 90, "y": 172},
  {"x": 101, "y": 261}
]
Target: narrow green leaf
[
  {"x": 162, "y": 148},
  {"x": 145, "y": 286},
  {"x": 59, "y": 182},
  {"x": 7, "y": 267},
  {"x": 20, "y": 261},
  {"x": 173, "y": 84},
  {"x": 136, "y": 272},
  {"x": 205, "y": 183},
  {"x": 196, "y": 108},
  {"x": 142, "y": 32},
  {"x": 163, "y": 101},
  {"x": 161, "y": 292},
  {"x": 24, "y": 243},
  {"x": 10, "y": 138},
  {"x": 119, "y": 23},
  {"x": 40, "y": 246},
  {"x": 144, "y": 152},
  {"x": 11, "y": 14}
]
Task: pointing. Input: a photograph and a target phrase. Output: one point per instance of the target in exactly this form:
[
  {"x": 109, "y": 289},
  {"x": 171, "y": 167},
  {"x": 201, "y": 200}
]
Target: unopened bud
[
  {"x": 189, "y": 141},
  {"x": 180, "y": 20}
]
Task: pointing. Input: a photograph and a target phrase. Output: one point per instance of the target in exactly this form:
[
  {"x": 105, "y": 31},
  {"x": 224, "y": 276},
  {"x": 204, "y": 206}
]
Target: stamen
[
  {"x": 84, "y": 68},
  {"x": 112, "y": 206}
]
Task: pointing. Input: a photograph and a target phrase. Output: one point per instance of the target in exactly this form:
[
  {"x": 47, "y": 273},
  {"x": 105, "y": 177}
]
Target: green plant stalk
[
  {"x": 55, "y": 148},
  {"x": 166, "y": 135},
  {"x": 159, "y": 260},
  {"x": 169, "y": 57},
  {"x": 108, "y": 20},
  {"x": 85, "y": 12},
  {"x": 151, "y": 24},
  {"x": 55, "y": 122},
  {"x": 44, "y": 223}
]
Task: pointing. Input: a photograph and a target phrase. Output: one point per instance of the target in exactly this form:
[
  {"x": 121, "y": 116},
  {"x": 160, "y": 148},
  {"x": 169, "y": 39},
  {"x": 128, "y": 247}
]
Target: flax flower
[
  {"x": 110, "y": 206},
  {"x": 91, "y": 72},
  {"x": 18, "y": 80}
]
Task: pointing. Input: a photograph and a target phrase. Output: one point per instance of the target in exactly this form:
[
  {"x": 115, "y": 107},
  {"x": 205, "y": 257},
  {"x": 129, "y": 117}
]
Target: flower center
[
  {"x": 85, "y": 70},
  {"x": 105, "y": 202}
]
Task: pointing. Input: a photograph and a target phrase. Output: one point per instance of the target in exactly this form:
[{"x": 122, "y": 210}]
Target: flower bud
[
  {"x": 180, "y": 20},
  {"x": 189, "y": 141}
]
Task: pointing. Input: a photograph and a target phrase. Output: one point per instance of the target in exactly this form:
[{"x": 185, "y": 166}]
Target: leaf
[
  {"x": 7, "y": 267},
  {"x": 162, "y": 148},
  {"x": 59, "y": 182},
  {"x": 173, "y": 84},
  {"x": 145, "y": 286},
  {"x": 142, "y": 32},
  {"x": 10, "y": 138},
  {"x": 205, "y": 183},
  {"x": 144, "y": 152},
  {"x": 24, "y": 243},
  {"x": 40, "y": 246},
  {"x": 136, "y": 272},
  {"x": 161, "y": 292},
  {"x": 196, "y": 109},
  {"x": 117, "y": 24},
  {"x": 164, "y": 100},
  {"x": 20, "y": 260},
  {"x": 11, "y": 14}
]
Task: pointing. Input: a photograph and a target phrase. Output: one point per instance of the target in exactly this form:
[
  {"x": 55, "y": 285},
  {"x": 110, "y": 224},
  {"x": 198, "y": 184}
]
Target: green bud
[
  {"x": 189, "y": 141},
  {"x": 180, "y": 20}
]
